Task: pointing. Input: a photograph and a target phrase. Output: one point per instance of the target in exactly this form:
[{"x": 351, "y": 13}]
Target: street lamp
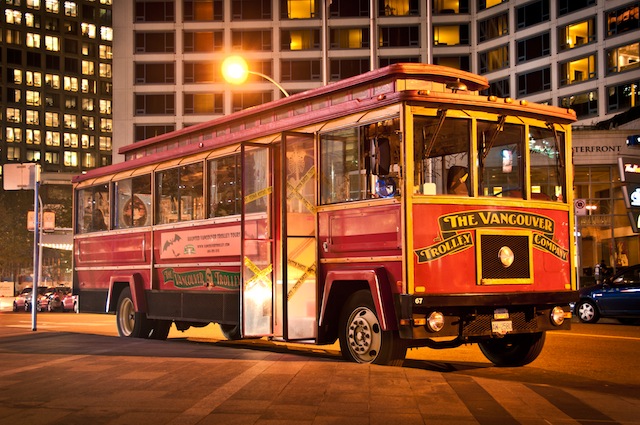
[{"x": 235, "y": 70}]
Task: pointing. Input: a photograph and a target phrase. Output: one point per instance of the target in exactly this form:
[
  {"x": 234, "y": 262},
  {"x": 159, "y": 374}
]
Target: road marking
[{"x": 628, "y": 338}]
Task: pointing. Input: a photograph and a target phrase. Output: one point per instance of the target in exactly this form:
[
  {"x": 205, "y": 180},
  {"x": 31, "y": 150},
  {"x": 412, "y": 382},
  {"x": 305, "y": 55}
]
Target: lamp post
[{"x": 235, "y": 70}]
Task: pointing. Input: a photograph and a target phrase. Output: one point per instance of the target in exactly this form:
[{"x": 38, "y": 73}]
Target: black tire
[
  {"x": 15, "y": 307},
  {"x": 587, "y": 311},
  {"x": 362, "y": 339},
  {"x": 513, "y": 350},
  {"x": 231, "y": 332},
  {"x": 160, "y": 329},
  {"x": 130, "y": 323}
]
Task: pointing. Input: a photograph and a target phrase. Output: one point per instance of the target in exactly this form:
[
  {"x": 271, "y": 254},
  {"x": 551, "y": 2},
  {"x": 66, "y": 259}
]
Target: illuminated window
[
  {"x": 12, "y": 17},
  {"x": 87, "y": 141},
  {"x": 52, "y": 6},
  {"x": 87, "y": 68},
  {"x": 33, "y": 78},
  {"x": 33, "y": 156},
  {"x": 17, "y": 76},
  {"x": 71, "y": 102},
  {"x": 451, "y": 35},
  {"x": 70, "y": 83},
  {"x": 33, "y": 4},
  {"x": 578, "y": 70},
  {"x": 105, "y": 143},
  {"x": 31, "y": 20},
  {"x": 106, "y": 33},
  {"x": 349, "y": 38},
  {"x": 577, "y": 34},
  {"x": 52, "y": 43},
  {"x": 52, "y": 157},
  {"x": 300, "y": 39},
  {"x": 52, "y": 119},
  {"x": 33, "y": 98},
  {"x": 70, "y": 121},
  {"x": 33, "y": 136},
  {"x": 105, "y": 52},
  {"x": 447, "y": 7},
  {"x": 70, "y": 8},
  {"x": 13, "y": 115},
  {"x": 14, "y": 95},
  {"x": 88, "y": 30},
  {"x": 202, "y": 10},
  {"x": 52, "y": 81},
  {"x": 33, "y": 40},
  {"x": 493, "y": 60},
  {"x": 105, "y": 70},
  {"x": 70, "y": 140},
  {"x": 13, "y": 135},
  {"x": 486, "y": 4},
  {"x": 107, "y": 2},
  {"x": 32, "y": 117},
  {"x": 106, "y": 125},
  {"x": 105, "y": 106},
  {"x": 13, "y": 37},
  {"x": 203, "y": 103},
  {"x": 88, "y": 123},
  {"x": 623, "y": 58},
  {"x": 88, "y": 160},
  {"x": 493, "y": 27},
  {"x": 52, "y": 138},
  {"x": 70, "y": 159},
  {"x": 13, "y": 153},
  {"x": 88, "y": 86},
  {"x": 299, "y": 9},
  {"x": 87, "y": 104},
  {"x": 398, "y": 7}
]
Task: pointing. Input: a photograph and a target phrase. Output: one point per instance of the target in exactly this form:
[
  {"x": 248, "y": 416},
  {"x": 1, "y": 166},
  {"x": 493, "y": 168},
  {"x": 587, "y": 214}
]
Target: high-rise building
[
  {"x": 56, "y": 95},
  {"x": 579, "y": 54}
]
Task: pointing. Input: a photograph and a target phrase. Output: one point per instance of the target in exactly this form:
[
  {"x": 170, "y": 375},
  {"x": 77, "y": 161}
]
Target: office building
[
  {"x": 56, "y": 83},
  {"x": 579, "y": 54}
]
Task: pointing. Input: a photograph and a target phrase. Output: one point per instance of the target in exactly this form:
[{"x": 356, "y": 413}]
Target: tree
[{"x": 16, "y": 248}]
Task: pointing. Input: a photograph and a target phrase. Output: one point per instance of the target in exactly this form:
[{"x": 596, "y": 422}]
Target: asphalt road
[{"x": 588, "y": 375}]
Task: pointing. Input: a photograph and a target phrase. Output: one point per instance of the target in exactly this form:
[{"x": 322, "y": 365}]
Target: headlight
[
  {"x": 435, "y": 322},
  {"x": 557, "y": 316}
]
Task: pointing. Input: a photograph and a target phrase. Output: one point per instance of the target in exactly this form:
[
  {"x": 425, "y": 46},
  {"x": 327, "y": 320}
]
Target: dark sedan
[{"x": 617, "y": 297}]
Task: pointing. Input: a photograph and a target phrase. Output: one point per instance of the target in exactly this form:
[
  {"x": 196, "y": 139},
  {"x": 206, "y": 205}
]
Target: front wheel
[
  {"x": 588, "y": 312},
  {"x": 362, "y": 339},
  {"x": 131, "y": 323},
  {"x": 513, "y": 350}
]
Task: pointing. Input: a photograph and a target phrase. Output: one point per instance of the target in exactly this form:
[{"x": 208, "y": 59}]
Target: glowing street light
[{"x": 236, "y": 71}]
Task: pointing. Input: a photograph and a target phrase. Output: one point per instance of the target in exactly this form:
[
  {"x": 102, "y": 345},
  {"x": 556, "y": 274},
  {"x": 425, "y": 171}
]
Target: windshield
[{"x": 443, "y": 150}]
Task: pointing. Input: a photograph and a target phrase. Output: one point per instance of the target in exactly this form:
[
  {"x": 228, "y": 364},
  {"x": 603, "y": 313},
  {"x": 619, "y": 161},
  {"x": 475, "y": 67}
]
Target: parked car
[
  {"x": 70, "y": 303},
  {"x": 618, "y": 296},
  {"x": 19, "y": 301},
  {"x": 42, "y": 290},
  {"x": 52, "y": 299}
]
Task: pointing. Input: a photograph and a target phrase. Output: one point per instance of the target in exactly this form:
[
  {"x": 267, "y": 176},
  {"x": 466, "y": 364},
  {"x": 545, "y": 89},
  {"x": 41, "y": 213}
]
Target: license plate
[{"x": 501, "y": 327}]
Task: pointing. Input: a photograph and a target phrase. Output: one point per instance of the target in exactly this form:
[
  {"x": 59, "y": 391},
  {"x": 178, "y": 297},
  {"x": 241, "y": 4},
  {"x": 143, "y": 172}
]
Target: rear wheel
[
  {"x": 131, "y": 323},
  {"x": 513, "y": 350},
  {"x": 362, "y": 339},
  {"x": 231, "y": 332},
  {"x": 160, "y": 329}
]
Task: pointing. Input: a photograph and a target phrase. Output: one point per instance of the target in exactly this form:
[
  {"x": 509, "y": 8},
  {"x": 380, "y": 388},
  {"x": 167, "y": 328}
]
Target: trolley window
[
  {"x": 132, "y": 203},
  {"x": 93, "y": 211},
  {"x": 180, "y": 194}
]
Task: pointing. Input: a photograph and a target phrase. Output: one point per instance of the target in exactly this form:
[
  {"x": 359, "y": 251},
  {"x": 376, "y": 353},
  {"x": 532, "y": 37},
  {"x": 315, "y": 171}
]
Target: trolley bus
[{"x": 396, "y": 209}]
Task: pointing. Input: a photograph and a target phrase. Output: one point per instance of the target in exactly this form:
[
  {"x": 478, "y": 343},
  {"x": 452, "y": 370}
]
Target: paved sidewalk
[{"x": 51, "y": 377}]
